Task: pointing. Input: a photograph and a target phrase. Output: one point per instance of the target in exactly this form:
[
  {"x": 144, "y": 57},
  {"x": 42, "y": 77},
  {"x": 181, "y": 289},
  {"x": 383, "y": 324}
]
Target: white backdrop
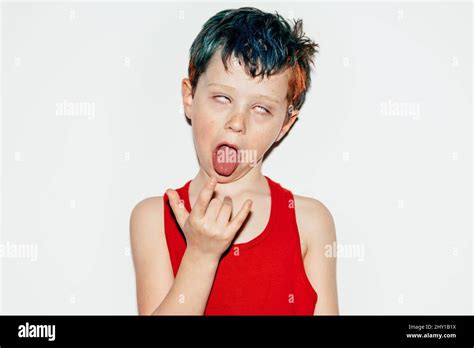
[{"x": 92, "y": 123}]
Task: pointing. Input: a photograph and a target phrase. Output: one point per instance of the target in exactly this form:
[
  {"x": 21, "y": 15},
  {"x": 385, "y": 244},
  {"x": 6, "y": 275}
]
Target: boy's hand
[{"x": 207, "y": 228}]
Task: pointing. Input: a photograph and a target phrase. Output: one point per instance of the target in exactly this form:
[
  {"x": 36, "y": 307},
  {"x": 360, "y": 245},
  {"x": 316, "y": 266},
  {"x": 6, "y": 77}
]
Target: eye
[
  {"x": 221, "y": 96},
  {"x": 265, "y": 110}
]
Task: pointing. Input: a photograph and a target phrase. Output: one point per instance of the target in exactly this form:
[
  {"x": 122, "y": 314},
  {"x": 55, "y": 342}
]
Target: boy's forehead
[{"x": 236, "y": 78}]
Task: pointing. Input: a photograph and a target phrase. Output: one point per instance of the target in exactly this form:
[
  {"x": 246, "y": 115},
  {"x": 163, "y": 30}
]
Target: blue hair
[{"x": 265, "y": 44}]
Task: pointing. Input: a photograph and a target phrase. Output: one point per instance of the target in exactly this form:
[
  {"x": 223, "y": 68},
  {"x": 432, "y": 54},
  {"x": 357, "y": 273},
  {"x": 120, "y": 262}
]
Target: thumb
[{"x": 177, "y": 205}]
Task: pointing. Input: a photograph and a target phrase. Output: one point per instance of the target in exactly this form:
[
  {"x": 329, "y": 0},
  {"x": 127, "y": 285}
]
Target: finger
[
  {"x": 239, "y": 219},
  {"x": 213, "y": 209},
  {"x": 226, "y": 212},
  {"x": 177, "y": 205},
  {"x": 204, "y": 197}
]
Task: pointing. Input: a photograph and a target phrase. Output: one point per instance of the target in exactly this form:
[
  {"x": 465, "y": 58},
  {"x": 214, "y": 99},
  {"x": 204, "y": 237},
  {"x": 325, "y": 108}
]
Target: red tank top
[{"x": 264, "y": 276}]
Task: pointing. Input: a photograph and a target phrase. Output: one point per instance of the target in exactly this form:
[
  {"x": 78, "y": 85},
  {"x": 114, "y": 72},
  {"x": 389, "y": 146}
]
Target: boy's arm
[
  {"x": 192, "y": 286},
  {"x": 316, "y": 224},
  {"x": 157, "y": 290}
]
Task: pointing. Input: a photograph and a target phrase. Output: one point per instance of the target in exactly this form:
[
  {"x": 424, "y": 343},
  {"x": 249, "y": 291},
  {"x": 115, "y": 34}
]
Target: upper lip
[{"x": 236, "y": 147}]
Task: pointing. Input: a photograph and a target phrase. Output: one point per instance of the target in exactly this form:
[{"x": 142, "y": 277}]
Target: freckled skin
[
  {"x": 242, "y": 120},
  {"x": 234, "y": 111},
  {"x": 236, "y": 117}
]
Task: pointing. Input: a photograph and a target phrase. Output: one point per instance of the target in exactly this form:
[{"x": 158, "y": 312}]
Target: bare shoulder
[
  {"x": 153, "y": 271},
  {"x": 315, "y": 221},
  {"x": 317, "y": 229},
  {"x": 146, "y": 221},
  {"x": 148, "y": 210}
]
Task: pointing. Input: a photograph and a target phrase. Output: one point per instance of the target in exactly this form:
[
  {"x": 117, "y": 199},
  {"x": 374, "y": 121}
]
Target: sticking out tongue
[{"x": 224, "y": 159}]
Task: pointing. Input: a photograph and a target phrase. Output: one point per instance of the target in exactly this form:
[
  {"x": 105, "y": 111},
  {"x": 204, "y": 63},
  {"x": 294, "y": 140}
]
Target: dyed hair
[{"x": 265, "y": 42}]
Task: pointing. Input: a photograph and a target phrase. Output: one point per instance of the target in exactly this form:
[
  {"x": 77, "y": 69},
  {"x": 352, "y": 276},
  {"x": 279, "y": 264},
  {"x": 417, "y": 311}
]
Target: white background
[{"x": 397, "y": 183}]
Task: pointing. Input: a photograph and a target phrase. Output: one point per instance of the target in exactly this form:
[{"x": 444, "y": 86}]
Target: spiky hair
[{"x": 265, "y": 43}]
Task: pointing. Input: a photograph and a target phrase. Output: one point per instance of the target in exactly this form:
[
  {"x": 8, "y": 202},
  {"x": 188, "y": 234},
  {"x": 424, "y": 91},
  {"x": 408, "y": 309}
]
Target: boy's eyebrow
[{"x": 257, "y": 95}]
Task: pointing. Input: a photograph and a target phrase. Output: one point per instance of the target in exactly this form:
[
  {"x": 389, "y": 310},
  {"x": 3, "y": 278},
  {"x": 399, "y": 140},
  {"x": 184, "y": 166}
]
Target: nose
[{"x": 236, "y": 123}]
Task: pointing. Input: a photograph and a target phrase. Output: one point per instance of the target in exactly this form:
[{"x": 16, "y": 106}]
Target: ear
[
  {"x": 186, "y": 93},
  {"x": 286, "y": 127}
]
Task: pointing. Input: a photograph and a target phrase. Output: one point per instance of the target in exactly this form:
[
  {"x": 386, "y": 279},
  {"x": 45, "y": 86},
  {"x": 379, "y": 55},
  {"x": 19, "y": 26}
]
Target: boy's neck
[{"x": 253, "y": 181}]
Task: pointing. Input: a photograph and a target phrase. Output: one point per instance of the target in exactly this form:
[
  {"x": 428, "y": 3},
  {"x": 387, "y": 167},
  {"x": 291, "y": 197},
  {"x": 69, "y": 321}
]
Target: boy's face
[{"x": 248, "y": 114}]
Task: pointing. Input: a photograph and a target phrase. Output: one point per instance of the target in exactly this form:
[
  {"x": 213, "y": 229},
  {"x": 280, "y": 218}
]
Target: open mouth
[{"x": 225, "y": 158}]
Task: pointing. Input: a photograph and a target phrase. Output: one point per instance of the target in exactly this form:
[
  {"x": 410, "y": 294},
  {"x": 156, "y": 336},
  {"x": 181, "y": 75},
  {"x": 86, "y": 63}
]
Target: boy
[{"x": 247, "y": 246}]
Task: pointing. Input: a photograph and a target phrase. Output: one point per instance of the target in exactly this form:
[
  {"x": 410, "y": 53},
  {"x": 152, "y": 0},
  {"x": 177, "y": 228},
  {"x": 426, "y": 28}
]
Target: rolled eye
[
  {"x": 266, "y": 111},
  {"x": 221, "y": 96}
]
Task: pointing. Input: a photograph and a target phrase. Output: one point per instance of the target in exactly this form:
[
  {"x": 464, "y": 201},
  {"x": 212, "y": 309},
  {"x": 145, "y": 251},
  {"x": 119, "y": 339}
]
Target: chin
[
  {"x": 224, "y": 178},
  {"x": 221, "y": 179}
]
